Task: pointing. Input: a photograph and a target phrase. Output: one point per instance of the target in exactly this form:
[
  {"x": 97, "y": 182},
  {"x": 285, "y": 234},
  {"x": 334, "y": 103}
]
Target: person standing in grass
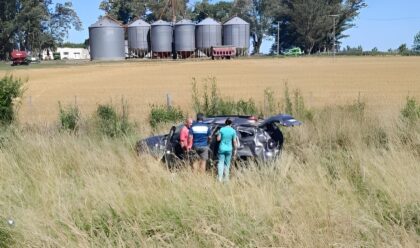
[
  {"x": 185, "y": 139},
  {"x": 227, "y": 148},
  {"x": 201, "y": 136}
]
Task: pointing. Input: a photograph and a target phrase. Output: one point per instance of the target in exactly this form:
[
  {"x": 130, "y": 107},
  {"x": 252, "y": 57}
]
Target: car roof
[
  {"x": 236, "y": 120},
  {"x": 251, "y": 121}
]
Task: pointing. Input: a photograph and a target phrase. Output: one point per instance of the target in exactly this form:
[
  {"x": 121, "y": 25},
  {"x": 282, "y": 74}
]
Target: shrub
[
  {"x": 269, "y": 102},
  {"x": 111, "y": 123},
  {"x": 287, "y": 101},
  {"x": 211, "y": 103},
  {"x": 207, "y": 102},
  {"x": 356, "y": 109},
  {"x": 411, "y": 110},
  {"x": 226, "y": 107},
  {"x": 160, "y": 114},
  {"x": 297, "y": 107},
  {"x": 11, "y": 90},
  {"x": 69, "y": 117},
  {"x": 246, "y": 107}
]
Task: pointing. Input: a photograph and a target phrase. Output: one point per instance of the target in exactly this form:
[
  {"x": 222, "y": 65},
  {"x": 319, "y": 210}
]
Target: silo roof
[
  {"x": 235, "y": 21},
  {"x": 139, "y": 23},
  {"x": 106, "y": 21},
  {"x": 207, "y": 22},
  {"x": 161, "y": 23},
  {"x": 185, "y": 22}
]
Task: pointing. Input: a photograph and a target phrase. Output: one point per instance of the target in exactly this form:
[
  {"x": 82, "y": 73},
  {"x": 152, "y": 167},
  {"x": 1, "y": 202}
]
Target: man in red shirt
[{"x": 185, "y": 139}]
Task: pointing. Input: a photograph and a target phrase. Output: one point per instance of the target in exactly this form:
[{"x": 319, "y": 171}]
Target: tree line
[{"x": 309, "y": 24}]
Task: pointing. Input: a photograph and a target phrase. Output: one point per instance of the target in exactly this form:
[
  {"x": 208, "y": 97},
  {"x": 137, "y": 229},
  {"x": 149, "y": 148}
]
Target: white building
[
  {"x": 73, "y": 53},
  {"x": 68, "y": 53}
]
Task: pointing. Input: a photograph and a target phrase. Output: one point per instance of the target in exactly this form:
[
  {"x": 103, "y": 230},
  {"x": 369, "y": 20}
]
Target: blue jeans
[{"x": 223, "y": 166}]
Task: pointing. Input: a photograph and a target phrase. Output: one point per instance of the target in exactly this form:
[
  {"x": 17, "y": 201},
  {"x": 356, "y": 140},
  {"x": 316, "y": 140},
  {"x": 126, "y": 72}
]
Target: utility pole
[
  {"x": 278, "y": 38},
  {"x": 334, "y": 16}
]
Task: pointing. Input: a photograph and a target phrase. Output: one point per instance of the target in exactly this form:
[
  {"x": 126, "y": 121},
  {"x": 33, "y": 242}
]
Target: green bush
[
  {"x": 160, "y": 114},
  {"x": 111, "y": 123},
  {"x": 270, "y": 105},
  {"x": 411, "y": 110},
  {"x": 288, "y": 109},
  {"x": 246, "y": 107},
  {"x": 11, "y": 89},
  {"x": 208, "y": 101},
  {"x": 297, "y": 106},
  {"x": 357, "y": 109},
  {"x": 69, "y": 117},
  {"x": 211, "y": 103}
]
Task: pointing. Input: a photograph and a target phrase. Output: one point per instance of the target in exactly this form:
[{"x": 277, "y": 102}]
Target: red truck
[
  {"x": 223, "y": 52},
  {"x": 19, "y": 57}
]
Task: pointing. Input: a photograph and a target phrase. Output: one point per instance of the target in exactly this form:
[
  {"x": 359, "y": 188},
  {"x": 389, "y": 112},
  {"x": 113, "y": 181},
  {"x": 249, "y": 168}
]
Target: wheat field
[{"x": 383, "y": 82}]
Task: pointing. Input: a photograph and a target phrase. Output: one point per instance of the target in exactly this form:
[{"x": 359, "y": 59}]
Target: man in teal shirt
[{"x": 227, "y": 147}]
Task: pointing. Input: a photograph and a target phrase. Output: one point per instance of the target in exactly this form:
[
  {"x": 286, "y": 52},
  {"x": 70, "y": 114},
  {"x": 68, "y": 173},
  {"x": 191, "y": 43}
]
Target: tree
[
  {"x": 124, "y": 10},
  {"x": 403, "y": 49},
  {"x": 7, "y": 26},
  {"x": 309, "y": 25},
  {"x": 416, "y": 43},
  {"x": 163, "y": 10},
  {"x": 219, "y": 11},
  {"x": 151, "y": 10},
  {"x": 34, "y": 25}
]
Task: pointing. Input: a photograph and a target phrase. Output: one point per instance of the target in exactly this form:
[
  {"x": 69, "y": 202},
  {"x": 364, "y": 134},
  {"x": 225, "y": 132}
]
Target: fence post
[
  {"x": 75, "y": 100},
  {"x": 168, "y": 100},
  {"x": 265, "y": 105}
]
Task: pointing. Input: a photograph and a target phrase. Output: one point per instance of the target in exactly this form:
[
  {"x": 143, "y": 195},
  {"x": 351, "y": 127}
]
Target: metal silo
[
  {"x": 161, "y": 39},
  {"x": 138, "y": 38},
  {"x": 184, "y": 38},
  {"x": 106, "y": 39},
  {"x": 236, "y": 33},
  {"x": 208, "y": 33}
]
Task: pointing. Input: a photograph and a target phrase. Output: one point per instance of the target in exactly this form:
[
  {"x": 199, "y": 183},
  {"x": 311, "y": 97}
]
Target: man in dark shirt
[{"x": 201, "y": 134}]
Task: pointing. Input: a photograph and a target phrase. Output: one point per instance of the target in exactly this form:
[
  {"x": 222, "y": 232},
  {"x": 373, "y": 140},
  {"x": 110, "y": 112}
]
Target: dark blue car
[{"x": 257, "y": 138}]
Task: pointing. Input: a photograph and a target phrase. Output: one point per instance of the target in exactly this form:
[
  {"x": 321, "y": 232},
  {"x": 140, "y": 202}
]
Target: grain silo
[
  {"x": 138, "y": 38},
  {"x": 106, "y": 39},
  {"x": 208, "y": 33},
  {"x": 236, "y": 33},
  {"x": 161, "y": 39},
  {"x": 184, "y": 38}
]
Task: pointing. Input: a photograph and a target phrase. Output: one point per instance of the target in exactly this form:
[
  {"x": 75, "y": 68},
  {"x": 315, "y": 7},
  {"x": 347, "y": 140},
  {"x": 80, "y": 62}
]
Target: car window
[{"x": 246, "y": 132}]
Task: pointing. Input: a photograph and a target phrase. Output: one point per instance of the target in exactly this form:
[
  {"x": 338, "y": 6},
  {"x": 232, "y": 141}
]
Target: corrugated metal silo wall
[
  {"x": 208, "y": 36},
  {"x": 236, "y": 35},
  {"x": 107, "y": 43},
  {"x": 185, "y": 37},
  {"x": 161, "y": 38},
  {"x": 138, "y": 38}
]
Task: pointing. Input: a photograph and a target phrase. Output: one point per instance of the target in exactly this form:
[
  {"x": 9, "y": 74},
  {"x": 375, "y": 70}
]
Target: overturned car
[{"x": 256, "y": 138}]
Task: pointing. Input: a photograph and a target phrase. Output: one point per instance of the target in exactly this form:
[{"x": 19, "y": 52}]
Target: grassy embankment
[{"x": 345, "y": 179}]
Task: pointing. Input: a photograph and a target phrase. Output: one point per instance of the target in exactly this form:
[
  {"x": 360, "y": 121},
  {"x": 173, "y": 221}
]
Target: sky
[{"x": 383, "y": 24}]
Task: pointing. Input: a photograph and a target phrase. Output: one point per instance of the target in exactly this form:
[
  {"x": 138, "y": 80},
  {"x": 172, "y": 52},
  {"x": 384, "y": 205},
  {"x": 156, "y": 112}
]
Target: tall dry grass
[{"x": 348, "y": 178}]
